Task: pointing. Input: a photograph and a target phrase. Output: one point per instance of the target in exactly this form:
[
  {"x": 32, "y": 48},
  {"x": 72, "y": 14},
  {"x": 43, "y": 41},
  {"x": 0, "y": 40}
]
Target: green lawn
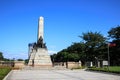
[
  {"x": 112, "y": 69},
  {"x": 4, "y": 71}
]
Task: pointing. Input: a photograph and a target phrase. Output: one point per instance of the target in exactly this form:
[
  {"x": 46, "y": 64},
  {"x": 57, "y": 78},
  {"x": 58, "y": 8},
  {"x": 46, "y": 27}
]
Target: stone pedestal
[{"x": 40, "y": 58}]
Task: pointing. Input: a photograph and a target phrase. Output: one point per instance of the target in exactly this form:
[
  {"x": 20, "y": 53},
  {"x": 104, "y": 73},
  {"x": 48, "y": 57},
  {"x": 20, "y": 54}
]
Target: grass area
[
  {"x": 4, "y": 71},
  {"x": 111, "y": 69},
  {"x": 115, "y": 68}
]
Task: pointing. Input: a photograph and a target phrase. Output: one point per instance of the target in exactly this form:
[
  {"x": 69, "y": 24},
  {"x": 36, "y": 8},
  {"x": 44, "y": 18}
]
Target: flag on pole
[{"x": 111, "y": 44}]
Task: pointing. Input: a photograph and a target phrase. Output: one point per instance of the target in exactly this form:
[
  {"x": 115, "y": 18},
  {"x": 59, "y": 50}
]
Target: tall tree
[
  {"x": 93, "y": 41},
  {"x": 114, "y": 34}
]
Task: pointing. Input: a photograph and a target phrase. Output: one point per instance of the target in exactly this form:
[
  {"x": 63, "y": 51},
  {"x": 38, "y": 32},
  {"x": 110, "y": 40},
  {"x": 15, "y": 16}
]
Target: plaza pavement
[{"x": 59, "y": 75}]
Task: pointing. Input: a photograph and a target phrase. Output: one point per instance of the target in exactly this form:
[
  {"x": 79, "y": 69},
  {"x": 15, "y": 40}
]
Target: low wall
[
  {"x": 69, "y": 65},
  {"x": 19, "y": 64},
  {"x": 7, "y": 63},
  {"x": 73, "y": 65}
]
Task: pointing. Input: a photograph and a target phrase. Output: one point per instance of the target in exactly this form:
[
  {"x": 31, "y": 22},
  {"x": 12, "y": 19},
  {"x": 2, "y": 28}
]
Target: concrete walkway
[{"x": 59, "y": 75}]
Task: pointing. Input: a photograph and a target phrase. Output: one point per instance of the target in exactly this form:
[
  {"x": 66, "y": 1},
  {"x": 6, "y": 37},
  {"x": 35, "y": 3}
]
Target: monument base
[{"x": 40, "y": 58}]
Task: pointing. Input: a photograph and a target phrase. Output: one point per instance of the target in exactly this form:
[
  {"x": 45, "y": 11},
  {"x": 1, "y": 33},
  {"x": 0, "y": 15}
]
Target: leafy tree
[
  {"x": 73, "y": 57},
  {"x": 93, "y": 42},
  {"x": 93, "y": 45},
  {"x": 26, "y": 61},
  {"x": 5, "y": 59},
  {"x": 20, "y": 60},
  {"x": 114, "y": 34},
  {"x": 61, "y": 56},
  {"x": 65, "y": 57},
  {"x": 77, "y": 50},
  {"x": 1, "y": 56},
  {"x": 93, "y": 39},
  {"x": 53, "y": 57}
]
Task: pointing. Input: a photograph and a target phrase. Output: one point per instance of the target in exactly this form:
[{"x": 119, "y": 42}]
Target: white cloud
[
  {"x": 16, "y": 55},
  {"x": 51, "y": 52}
]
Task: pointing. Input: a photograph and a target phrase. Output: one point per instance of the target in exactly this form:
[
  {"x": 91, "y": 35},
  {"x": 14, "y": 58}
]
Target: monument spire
[{"x": 41, "y": 27}]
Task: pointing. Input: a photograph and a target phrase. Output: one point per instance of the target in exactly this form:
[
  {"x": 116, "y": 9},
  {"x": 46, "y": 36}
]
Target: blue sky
[{"x": 64, "y": 20}]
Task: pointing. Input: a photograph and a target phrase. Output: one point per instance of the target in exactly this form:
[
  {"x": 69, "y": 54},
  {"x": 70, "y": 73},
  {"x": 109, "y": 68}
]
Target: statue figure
[{"x": 40, "y": 43}]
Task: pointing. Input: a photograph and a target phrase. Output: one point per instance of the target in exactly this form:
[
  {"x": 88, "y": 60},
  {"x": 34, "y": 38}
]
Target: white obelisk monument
[
  {"x": 38, "y": 53},
  {"x": 41, "y": 27}
]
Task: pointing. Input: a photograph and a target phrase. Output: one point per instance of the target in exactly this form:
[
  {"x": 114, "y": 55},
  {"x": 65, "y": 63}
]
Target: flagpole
[{"x": 108, "y": 57}]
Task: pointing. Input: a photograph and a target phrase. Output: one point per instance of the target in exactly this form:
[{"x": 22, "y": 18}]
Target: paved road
[{"x": 59, "y": 75}]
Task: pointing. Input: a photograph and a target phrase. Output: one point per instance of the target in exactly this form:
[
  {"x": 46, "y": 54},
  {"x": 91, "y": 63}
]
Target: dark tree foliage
[
  {"x": 78, "y": 49},
  {"x": 26, "y": 61},
  {"x": 94, "y": 42},
  {"x": 20, "y": 60},
  {"x": 93, "y": 39},
  {"x": 1, "y": 56},
  {"x": 114, "y": 34},
  {"x": 5, "y": 59},
  {"x": 65, "y": 57},
  {"x": 93, "y": 46},
  {"x": 85, "y": 51}
]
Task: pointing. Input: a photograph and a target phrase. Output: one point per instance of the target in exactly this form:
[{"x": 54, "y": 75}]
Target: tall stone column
[{"x": 41, "y": 27}]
